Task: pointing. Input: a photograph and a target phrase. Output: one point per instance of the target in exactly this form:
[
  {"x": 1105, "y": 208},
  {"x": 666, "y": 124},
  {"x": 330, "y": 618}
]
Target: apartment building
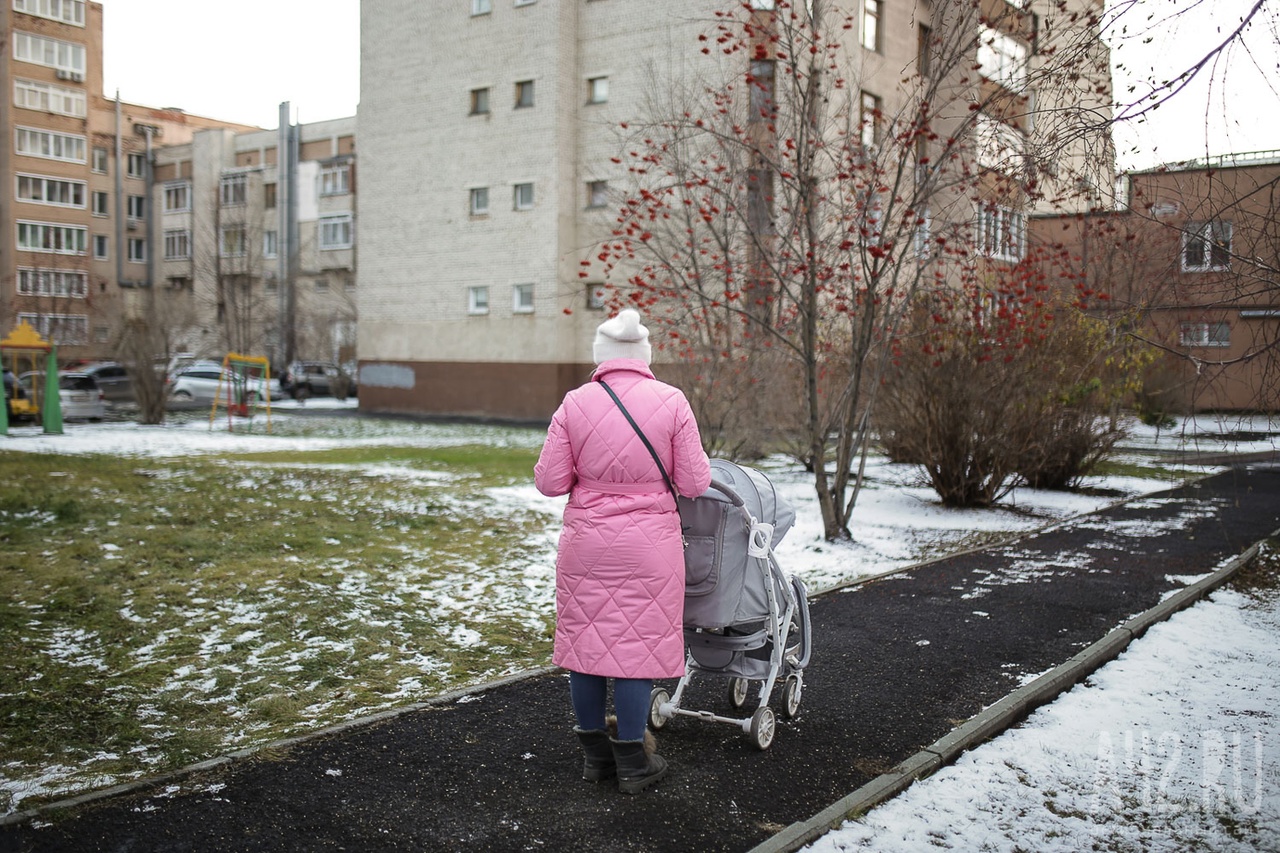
[
  {"x": 490, "y": 138},
  {"x": 76, "y": 241},
  {"x": 256, "y": 252}
]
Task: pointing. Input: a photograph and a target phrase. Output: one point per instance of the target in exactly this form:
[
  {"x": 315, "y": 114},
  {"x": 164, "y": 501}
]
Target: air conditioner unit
[
  {"x": 133, "y": 225},
  {"x": 76, "y": 77},
  {"x": 63, "y": 74}
]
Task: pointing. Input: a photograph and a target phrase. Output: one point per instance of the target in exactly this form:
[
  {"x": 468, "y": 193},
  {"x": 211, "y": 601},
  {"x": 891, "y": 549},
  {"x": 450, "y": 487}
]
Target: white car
[
  {"x": 78, "y": 394},
  {"x": 202, "y": 382}
]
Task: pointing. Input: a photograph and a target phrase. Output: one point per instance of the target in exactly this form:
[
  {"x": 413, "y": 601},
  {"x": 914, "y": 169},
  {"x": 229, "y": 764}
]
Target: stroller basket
[{"x": 745, "y": 619}]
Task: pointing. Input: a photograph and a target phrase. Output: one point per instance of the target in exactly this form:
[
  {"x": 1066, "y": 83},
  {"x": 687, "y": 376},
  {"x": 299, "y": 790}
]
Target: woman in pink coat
[{"x": 620, "y": 568}]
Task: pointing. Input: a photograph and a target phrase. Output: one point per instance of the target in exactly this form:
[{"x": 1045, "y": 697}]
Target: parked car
[
  {"x": 112, "y": 379},
  {"x": 203, "y": 381},
  {"x": 317, "y": 379},
  {"x": 79, "y": 396}
]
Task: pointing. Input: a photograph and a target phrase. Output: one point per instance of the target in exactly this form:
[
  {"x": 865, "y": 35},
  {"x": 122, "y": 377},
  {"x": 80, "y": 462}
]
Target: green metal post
[{"x": 51, "y": 411}]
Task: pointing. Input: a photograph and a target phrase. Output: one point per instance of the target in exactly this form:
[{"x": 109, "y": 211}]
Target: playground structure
[
  {"x": 237, "y": 370},
  {"x": 22, "y": 351}
]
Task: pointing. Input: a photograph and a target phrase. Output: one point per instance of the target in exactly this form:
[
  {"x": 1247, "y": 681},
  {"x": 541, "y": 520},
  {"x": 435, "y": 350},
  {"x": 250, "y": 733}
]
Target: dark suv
[
  {"x": 317, "y": 379},
  {"x": 112, "y": 378}
]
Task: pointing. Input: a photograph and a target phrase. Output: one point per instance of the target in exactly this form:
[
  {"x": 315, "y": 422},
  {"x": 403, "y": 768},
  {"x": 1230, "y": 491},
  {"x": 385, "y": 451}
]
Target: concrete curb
[
  {"x": 1001, "y": 715},
  {"x": 249, "y": 752}
]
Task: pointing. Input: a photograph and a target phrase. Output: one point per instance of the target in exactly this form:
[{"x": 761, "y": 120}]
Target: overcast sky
[{"x": 236, "y": 60}]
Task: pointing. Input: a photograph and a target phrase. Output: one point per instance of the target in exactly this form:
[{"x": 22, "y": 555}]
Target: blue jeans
[{"x": 630, "y": 703}]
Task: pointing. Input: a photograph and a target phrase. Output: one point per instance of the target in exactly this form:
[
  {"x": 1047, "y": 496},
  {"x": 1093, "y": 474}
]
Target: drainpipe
[{"x": 119, "y": 186}]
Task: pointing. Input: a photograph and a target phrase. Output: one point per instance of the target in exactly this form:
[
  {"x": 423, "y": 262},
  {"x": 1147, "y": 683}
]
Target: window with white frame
[
  {"x": 136, "y": 207},
  {"x": 66, "y": 11},
  {"x": 232, "y": 242},
  {"x": 596, "y": 294},
  {"x": 871, "y": 24},
  {"x": 49, "y": 98},
  {"x": 480, "y": 101},
  {"x": 523, "y": 194},
  {"x": 335, "y": 179},
  {"x": 52, "y": 53},
  {"x": 597, "y": 90},
  {"x": 522, "y": 298},
  {"x": 1206, "y": 246},
  {"x": 52, "y": 238},
  {"x": 869, "y": 119},
  {"x": 1205, "y": 334},
  {"x": 136, "y": 164},
  {"x": 478, "y": 299},
  {"x": 336, "y": 232},
  {"x": 101, "y": 243},
  {"x": 524, "y": 94},
  {"x": 270, "y": 244},
  {"x": 1002, "y": 59},
  {"x": 100, "y": 160},
  {"x": 479, "y": 201},
  {"x": 65, "y": 329},
  {"x": 597, "y": 193},
  {"x": 1002, "y": 233},
  {"x": 999, "y": 146},
  {"x": 177, "y": 244},
  {"x": 232, "y": 190},
  {"x": 481, "y": 7},
  {"x": 65, "y": 284},
  {"x": 137, "y": 250},
  {"x": 525, "y": 2},
  {"x": 101, "y": 203},
  {"x": 51, "y": 191},
  {"x": 50, "y": 145},
  {"x": 923, "y": 235},
  {"x": 764, "y": 5},
  {"x": 763, "y": 90},
  {"x": 177, "y": 196}
]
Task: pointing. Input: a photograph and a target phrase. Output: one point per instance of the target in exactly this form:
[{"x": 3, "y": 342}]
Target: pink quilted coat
[{"x": 620, "y": 568}]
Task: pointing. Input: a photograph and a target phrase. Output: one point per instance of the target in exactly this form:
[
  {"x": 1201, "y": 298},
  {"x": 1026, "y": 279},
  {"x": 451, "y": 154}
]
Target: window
[
  {"x": 522, "y": 298},
  {"x": 137, "y": 207},
  {"x": 335, "y": 232},
  {"x": 597, "y": 193},
  {"x": 923, "y": 235},
  {"x": 762, "y": 89},
  {"x": 67, "y": 284},
  {"x": 100, "y": 244},
  {"x": 231, "y": 190},
  {"x": 597, "y": 90},
  {"x": 765, "y": 5},
  {"x": 924, "y": 50},
  {"x": 524, "y": 94},
  {"x": 50, "y": 145},
  {"x": 49, "y": 98},
  {"x": 67, "y": 11},
  {"x": 177, "y": 245},
  {"x": 231, "y": 242},
  {"x": 52, "y": 53},
  {"x": 269, "y": 196},
  {"x": 52, "y": 238},
  {"x": 596, "y": 297},
  {"x": 1002, "y": 233},
  {"x": 480, "y": 201},
  {"x": 1000, "y": 146},
  {"x": 760, "y": 201},
  {"x": 525, "y": 2},
  {"x": 481, "y": 7},
  {"x": 177, "y": 197},
  {"x": 322, "y": 285},
  {"x": 523, "y": 196},
  {"x": 178, "y": 282},
  {"x": 480, "y": 101},
  {"x": 478, "y": 299},
  {"x": 100, "y": 160},
  {"x": 335, "y": 179},
  {"x": 51, "y": 191},
  {"x": 101, "y": 201},
  {"x": 137, "y": 165},
  {"x": 137, "y": 250},
  {"x": 68, "y": 329},
  {"x": 270, "y": 244},
  {"x": 1206, "y": 246},
  {"x": 869, "y": 120},
  {"x": 1205, "y": 335},
  {"x": 871, "y": 24},
  {"x": 1002, "y": 59}
]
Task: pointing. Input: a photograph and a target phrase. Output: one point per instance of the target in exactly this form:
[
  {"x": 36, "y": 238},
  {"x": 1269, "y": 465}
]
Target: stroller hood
[{"x": 758, "y": 495}]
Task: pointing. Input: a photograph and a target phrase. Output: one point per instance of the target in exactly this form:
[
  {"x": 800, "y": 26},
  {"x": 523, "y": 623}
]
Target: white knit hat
[{"x": 622, "y": 337}]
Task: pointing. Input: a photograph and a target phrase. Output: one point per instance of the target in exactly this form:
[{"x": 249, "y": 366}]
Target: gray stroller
[{"x": 744, "y": 619}]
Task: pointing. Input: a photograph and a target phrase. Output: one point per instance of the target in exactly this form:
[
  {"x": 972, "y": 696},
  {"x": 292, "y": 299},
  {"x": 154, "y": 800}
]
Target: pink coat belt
[{"x": 622, "y": 488}]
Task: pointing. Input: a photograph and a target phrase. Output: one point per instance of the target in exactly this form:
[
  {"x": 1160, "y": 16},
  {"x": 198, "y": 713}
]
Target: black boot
[
  {"x": 637, "y": 769},
  {"x": 599, "y": 764}
]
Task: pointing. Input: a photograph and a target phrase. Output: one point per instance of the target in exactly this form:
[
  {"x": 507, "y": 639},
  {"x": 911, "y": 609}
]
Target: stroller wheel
[
  {"x": 791, "y": 696},
  {"x": 763, "y": 726},
  {"x": 738, "y": 692},
  {"x": 657, "y": 698}
]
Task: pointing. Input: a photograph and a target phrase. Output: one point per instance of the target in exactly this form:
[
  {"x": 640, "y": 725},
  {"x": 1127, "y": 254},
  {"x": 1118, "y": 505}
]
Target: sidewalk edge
[{"x": 1001, "y": 715}]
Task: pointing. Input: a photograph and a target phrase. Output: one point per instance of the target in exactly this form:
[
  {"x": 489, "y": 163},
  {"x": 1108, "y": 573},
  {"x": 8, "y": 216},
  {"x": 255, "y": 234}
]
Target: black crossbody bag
[{"x": 635, "y": 426}]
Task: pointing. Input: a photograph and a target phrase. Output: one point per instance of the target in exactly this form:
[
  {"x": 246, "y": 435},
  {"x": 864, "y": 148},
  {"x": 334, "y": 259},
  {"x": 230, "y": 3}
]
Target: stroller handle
[{"x": 729, "y": 493}]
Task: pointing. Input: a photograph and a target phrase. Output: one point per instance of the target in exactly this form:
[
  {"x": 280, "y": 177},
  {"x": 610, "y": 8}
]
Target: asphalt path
[{"x": 897, "y": 663}]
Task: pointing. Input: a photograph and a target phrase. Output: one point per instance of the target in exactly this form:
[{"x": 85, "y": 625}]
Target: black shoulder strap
[{"x": 635, "y": 426}]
